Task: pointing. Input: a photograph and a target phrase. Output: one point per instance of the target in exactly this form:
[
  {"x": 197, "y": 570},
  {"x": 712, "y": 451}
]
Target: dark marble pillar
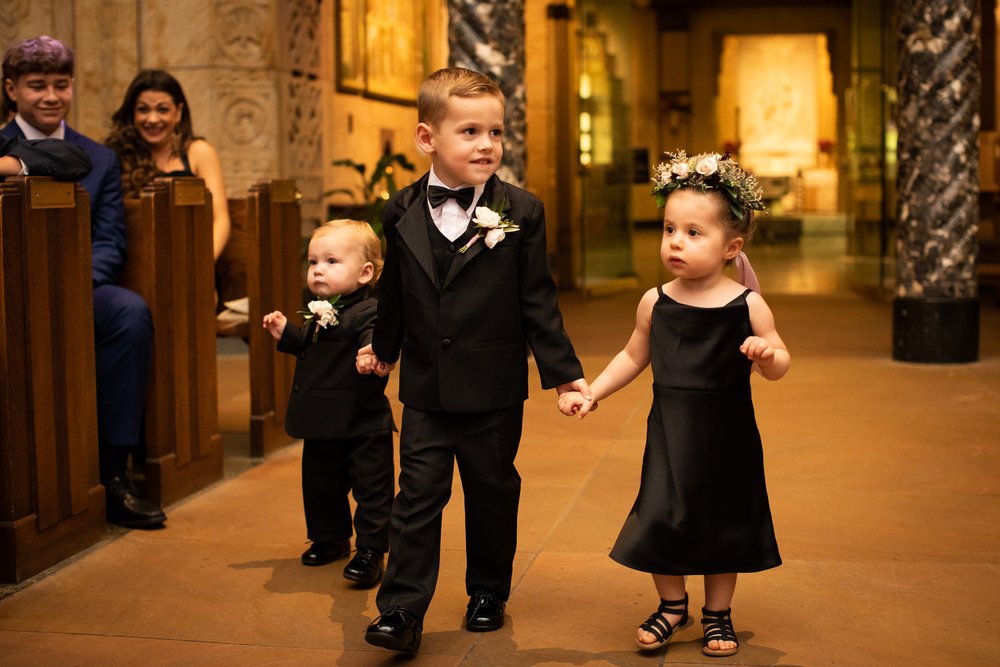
[
  {"x": 489, "y": 37},
  {"x": 936, "y": 310}
]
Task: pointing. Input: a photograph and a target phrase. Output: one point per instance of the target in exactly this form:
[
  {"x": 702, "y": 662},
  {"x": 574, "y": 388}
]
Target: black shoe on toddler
[
  {"x": 719, "y": 628},
  {"x": 658, "y": 626}
]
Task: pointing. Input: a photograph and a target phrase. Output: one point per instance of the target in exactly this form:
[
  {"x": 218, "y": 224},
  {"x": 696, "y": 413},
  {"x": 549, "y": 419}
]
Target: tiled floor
[{"x": 884, "y": 481}]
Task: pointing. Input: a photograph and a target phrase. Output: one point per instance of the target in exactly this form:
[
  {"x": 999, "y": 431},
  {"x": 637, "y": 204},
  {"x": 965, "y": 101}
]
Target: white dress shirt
[{"x": 450, "y": 218}]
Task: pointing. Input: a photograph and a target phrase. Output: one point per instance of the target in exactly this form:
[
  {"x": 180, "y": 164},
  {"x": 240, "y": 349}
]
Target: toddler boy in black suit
[
  {"x": 342, "y": 416},
  {"x": 465, "y": 292}
]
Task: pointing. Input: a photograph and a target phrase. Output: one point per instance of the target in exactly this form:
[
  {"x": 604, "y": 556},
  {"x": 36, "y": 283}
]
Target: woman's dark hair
[{"x": 138, "y": 168}]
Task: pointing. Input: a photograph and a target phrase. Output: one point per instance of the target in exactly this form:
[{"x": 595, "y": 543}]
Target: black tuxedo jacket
[
  {"x": 48, "y": 157},
  {"x": 107, "y": 210},
  {"x": 464, "y": 346},
  {"x": 330, "y": 400}
]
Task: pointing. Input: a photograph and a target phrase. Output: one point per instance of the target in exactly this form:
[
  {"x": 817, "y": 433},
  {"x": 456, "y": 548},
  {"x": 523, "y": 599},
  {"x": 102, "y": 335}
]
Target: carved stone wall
[
  {"x": 250, "y": 70},
  {"x": 302, "y": 99}
]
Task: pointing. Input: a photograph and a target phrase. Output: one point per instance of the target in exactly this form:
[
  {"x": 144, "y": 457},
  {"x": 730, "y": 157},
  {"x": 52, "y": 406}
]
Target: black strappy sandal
[
  {"x": 718, "y": 626},
  {"x": 658, "y": 626}
]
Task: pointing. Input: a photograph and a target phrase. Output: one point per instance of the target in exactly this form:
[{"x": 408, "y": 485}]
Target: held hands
[
  {"x": 575, "y": 398},
  {"x": 573, "y": 403},
  {"x": 275, "y": 323},
  {"x": 367, "y": 363}
]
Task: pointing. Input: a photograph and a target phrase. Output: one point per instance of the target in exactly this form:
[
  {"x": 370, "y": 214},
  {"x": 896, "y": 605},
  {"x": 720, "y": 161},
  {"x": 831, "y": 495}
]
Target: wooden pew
[
  {"x": 51, "y": 499},
  {"x": 263, "y": 261},
  {"x": 170, "y": 264}
]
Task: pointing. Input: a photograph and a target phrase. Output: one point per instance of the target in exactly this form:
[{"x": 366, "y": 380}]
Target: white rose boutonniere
[
  {"x": 324, "y": 312},
  {"x": 493, "y": 226}
]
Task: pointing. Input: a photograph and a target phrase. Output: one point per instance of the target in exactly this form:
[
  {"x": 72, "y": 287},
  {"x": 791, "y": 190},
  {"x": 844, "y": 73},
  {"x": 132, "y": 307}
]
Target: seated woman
[{"x": 152, "y": 136}]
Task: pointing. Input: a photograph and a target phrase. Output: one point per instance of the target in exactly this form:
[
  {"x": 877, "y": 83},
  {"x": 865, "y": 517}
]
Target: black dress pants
[
  {"x": 484, "y": 445},
  {"x": 362, "y": 466}
]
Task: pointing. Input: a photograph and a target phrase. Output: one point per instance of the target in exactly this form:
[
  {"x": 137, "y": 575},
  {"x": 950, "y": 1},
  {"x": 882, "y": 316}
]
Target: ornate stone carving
[
  {"x": 301, "y": 35},
  {"x": 245, "y": 31}
]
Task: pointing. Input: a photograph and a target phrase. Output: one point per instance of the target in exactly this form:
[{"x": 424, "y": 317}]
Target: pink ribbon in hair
[{"x": 744, "y": 273}]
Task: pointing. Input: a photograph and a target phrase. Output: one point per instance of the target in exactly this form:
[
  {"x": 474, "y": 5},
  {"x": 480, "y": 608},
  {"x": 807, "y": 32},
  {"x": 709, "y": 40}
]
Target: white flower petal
[{"x": 493, "y": 237}]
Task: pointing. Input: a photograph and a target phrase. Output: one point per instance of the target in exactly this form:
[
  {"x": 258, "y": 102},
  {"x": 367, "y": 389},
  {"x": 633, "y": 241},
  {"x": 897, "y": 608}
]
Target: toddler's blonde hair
[
  {"x": 442, "y": 85},
  {"x": 363, "y": 234}
]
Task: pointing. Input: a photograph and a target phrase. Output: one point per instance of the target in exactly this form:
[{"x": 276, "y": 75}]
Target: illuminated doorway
[{"x": 776, "y": 110}]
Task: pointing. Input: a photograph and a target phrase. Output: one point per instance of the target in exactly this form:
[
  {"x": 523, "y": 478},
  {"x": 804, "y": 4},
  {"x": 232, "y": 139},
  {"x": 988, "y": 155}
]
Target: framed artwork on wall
[
  {"x": 350, "y": 29},
  {"x": 382, "y": 48}
]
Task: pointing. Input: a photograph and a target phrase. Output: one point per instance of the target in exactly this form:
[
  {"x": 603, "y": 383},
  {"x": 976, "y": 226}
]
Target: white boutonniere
[
  {"x": 492, "y": 225},
  {"x": 324, "y": 312}
]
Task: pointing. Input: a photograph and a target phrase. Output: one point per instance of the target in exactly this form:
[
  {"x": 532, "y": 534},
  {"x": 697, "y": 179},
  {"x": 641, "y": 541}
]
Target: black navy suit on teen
[
  {"x": 463, "y": 324},
  {"x": 122, "y": 325},
  {"x": 346, "y": 423}
]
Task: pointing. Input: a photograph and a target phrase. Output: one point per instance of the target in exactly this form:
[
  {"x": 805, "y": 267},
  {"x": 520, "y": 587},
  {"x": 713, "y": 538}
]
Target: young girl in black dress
[{"x": 702, "y": 506}]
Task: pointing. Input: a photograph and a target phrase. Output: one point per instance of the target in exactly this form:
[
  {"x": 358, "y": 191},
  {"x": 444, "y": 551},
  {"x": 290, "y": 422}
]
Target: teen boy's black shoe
[
  {"x": 125, "y": 507},
  {"x": 365, "y": 568},
  {"x": 396, "y": 630},
  {"x": 321, "y": 553},
  {"x": 485, "y": 613}
]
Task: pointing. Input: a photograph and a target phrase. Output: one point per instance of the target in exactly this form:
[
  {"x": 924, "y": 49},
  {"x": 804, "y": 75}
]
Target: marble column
[
  {"x": 489, "y": 37},
  {"x": 936, "y": 310}
]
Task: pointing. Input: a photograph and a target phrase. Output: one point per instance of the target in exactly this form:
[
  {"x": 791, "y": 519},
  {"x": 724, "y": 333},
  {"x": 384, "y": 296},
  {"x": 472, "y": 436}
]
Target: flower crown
[{"x": 705, "y": 172}]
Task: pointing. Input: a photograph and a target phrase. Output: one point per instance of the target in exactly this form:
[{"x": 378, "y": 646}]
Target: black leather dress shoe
[
  {"x": 485, "y": 613},
  {"x": 125, "y": 507},
  {"x": 396, "y": 630},
  {"x": 365, "y": 568},
  {"x": 321, "y": 553}
]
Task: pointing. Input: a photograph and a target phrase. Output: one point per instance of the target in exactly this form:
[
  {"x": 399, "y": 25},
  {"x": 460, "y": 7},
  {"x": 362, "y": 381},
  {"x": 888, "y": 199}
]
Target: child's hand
[
  {"x": 275, "y": 323},
  {"x": 382, "y": 369},
  {"x": 367, "y": 363},
  {"x": 366, "y": 360},
  {"x": 757, "y": 349},
  {"x": 573, "y": 403}
]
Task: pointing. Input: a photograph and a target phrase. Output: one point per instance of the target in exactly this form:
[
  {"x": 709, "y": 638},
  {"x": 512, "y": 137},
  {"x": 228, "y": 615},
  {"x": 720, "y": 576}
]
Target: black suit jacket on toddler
[
  {"x": 330, "y": 399},
  {"x": 464, "y": 337}
]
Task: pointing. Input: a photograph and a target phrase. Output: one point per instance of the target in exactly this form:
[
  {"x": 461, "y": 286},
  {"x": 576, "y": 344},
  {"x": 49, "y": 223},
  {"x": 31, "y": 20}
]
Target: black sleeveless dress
[
  {"x": 702, "y": 506},
  {"x": 186, "y": 171}
]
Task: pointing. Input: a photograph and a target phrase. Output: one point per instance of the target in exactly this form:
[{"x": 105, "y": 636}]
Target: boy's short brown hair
[
  {"x": 38, "y": 55},
  {"x": 42, "y": 54},
  {"x": 432, "y": 102},
  {"x": 364, "y": 235}
]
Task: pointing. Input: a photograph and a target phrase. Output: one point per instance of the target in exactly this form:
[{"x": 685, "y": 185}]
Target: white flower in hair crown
[
  {"x": 493, "y": 225},
  {"x": 324, "y": 312},
  {"x": 708, "y": 171}
]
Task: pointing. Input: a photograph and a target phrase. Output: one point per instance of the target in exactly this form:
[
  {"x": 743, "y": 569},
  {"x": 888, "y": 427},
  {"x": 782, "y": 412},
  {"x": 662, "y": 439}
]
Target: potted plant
[{"x": 373, "y": 191}]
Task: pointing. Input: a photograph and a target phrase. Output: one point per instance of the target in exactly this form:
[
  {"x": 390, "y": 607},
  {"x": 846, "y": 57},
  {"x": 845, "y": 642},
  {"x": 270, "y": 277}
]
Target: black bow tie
[{"x": 437, "y": 195}]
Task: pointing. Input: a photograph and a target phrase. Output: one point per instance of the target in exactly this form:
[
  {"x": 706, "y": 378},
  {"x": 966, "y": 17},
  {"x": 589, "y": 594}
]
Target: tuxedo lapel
[
  {"x": 412, "y": 229},
  {"x": 492, "y": 195}
]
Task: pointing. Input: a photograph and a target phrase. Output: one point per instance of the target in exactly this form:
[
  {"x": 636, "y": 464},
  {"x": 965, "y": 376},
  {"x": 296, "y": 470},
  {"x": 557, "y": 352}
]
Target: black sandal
[
  {"x": 658, "y": 626},
  {"x": 718, "y": 626}
]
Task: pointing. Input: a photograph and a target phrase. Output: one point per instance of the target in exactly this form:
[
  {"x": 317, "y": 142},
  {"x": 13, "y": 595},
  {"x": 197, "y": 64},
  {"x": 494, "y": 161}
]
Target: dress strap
[
  {"x": 184, "y": 160},
  {"x": 659, "y": 290}
]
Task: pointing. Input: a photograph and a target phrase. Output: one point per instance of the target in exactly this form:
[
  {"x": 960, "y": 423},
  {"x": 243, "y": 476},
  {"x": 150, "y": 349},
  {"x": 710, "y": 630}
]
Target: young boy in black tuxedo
[
  {"x": 464, "y": 293},
  {"x": 343, "y": 417}
]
